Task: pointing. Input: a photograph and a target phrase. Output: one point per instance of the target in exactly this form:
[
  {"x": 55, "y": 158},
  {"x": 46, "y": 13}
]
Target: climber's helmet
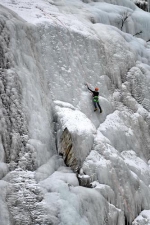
[{"x": 96, "y": 89}]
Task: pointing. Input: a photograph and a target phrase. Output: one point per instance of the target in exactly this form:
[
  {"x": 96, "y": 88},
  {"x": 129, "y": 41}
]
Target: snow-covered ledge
[
  {"x": 143, "y": 218},
  {"x": 75, "y": 134}
]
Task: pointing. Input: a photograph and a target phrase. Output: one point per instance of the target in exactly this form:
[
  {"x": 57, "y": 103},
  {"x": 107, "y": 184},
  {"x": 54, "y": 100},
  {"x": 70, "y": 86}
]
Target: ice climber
[{"x": 95, "y": 98}]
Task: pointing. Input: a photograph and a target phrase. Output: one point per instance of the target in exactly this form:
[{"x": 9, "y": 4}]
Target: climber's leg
[
  {"x": 99, "y": 107},
  {"x": 95, "y": 106}
]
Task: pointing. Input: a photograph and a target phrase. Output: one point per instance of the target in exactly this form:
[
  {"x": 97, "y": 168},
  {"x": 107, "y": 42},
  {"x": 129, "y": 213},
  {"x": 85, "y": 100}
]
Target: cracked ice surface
[{"x": 46, "y": 57}]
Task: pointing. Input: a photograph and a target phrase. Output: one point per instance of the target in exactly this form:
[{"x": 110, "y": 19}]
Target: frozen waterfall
[{"x": 61, "y": 163}]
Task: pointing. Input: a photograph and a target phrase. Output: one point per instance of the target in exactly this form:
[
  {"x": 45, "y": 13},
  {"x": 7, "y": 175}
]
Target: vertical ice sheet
[{"x": 50, "y": 62}]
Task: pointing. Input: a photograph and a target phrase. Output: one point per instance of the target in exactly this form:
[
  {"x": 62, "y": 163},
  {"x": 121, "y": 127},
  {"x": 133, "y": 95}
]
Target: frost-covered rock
[
  {"x": 75, "y": 134},
  {"x": 143, "y": 4},
  {"x": 143, "y": 218},
  {"x": 46, "y": 57},
  {"x": 4, "y": 210}
]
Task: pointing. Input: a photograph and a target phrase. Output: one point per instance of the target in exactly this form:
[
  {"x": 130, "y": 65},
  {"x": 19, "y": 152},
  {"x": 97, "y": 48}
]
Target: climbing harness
[{"x": 95, "y": 98}]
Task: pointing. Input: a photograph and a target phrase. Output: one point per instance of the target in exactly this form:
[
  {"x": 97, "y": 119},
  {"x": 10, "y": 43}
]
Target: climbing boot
[{"x": 95, "y": 109}]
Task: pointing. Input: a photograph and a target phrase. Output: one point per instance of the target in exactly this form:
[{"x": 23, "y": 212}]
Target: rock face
[
  {"x": 75, "y": 134},
  {"x": 46, "y": 109},
  {"x": 67, "y": 150},
  {"x": 142, "y": 4}
]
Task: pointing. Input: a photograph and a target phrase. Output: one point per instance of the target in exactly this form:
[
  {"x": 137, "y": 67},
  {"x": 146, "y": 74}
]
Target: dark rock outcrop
[
  {"x": 142, "y": 5},
  {"x": 66, "y": 150}
]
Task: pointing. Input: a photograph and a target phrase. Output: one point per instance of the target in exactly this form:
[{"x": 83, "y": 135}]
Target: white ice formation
[{"x": 49, "y": 49}]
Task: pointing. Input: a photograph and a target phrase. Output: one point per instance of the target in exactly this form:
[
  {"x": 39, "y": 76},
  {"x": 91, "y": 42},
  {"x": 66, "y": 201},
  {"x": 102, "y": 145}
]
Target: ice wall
[
  {"x": 47, "y": 63},
  {"x": 124, "y": 15}
]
